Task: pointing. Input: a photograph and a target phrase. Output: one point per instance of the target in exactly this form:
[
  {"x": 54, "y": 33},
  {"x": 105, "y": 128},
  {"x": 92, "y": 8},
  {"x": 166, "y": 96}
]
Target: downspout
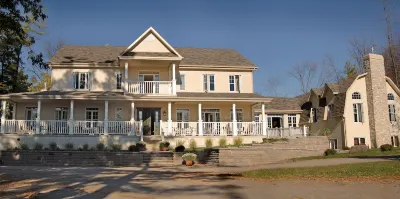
[{"x": 344, "y": 132}]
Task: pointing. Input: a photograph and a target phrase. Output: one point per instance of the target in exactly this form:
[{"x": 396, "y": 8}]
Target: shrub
[
  {"x": 346, "y": 148},
  {"x": 189, "y": 156},
  {"x": 38, "y": 146},
  {"x": 180, "y": 148},
  {"x": 329, "y": 152},
  {"x": 223, "y": 142},
  {"x": 85, "y": 147},
  {"x": 386, "y": 147},
  {"x": 272, "y": 140},
  {"x": 132, "y": 148},
  {"x": 80, "y": 148},
  {"x": 141, "y": 146},
  {"x": 100, "y": 146},
  {"x": 164, "y": 144},
  {"x": 116, "y": 147},
  {"x": 24, "y": 146},
  {"x": 238, "y": 141},
  {"x": 92, "y": 148},
  {"x": 358, "y": 149},
  {"x": 192, "y": 145},
  {"x": 209, "y": 143},
  {"x": 53, "y": 146},
  {"x": 69, "y": 146}
]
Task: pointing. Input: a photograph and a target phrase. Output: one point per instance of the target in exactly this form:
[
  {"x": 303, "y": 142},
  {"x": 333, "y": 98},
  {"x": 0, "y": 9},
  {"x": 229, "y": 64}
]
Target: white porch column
[
  {"x": 71, "y": 118},
  {"x": 200, "y": 127},
  {"x": 39, "y": 105},
  {"x": 132, "y": 118},
  {"x": 3, "y": 115},
  {"x": 234, "y": 121},
  {"x": 126, "y": 79},
  {"x": 264, "y": 122},
  {"x": 106, "y": 118},
  {"x": 14, "y": 113},
  {"x": 173, "y": 80},
  {"x": 169, "y": 119},
  {"x": 304, "y": 130}
]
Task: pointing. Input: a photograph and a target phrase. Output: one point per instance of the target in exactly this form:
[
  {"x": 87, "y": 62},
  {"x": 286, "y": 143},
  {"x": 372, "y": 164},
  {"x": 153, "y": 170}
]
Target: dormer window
[
  {"x": 390, "y": 96},
  {"x": 356, "y": 95}
]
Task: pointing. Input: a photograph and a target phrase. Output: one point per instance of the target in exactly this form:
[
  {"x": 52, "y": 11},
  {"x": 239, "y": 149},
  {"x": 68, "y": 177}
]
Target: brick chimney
[{"x": 377, "y": 100}]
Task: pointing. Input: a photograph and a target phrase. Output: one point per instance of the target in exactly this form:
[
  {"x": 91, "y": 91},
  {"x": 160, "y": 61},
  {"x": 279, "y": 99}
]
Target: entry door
[
  {"x": 150, "y": 118},
  {"x": 30, "y": 113},
  {"x": 92, "y": 115}
]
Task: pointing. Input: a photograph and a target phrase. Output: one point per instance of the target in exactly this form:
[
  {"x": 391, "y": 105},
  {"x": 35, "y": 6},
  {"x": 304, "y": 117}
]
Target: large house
[
  {"x": 362, "y": 110},
  {"x": 147, "y": 88}
]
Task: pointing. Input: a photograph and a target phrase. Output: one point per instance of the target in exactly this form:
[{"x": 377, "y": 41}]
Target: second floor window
[
  {"x": 208, "y": 82},
  {"x": 292, "y": 120},
  {"x": 119, "y": 80},
  {"x": 81, "y": 80},
  {"x": 234, "y": 83},
  {"x": 182, "y": 82},
  {"x": 392, "y": 112},
  {"x": 358, "y": 112},
  {"x": 330, "y": 111}
]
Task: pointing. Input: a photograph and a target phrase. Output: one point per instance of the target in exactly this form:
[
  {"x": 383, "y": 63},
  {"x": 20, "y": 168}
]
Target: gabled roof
[
  {"x": 334, "y": 87},
  {"x": 318, "y": 91},
  {"x": 282, "y": 104}
]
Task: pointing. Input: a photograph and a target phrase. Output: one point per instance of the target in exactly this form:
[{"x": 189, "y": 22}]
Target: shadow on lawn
[
  {"x": 100, "y": 183},
  {"x": 386, "y": 157}
]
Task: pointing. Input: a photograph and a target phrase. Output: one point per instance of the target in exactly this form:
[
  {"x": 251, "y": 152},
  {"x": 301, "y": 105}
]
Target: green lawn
[
  {"x": 375, "y": 170},
  {"x": 369, "y": 153}
]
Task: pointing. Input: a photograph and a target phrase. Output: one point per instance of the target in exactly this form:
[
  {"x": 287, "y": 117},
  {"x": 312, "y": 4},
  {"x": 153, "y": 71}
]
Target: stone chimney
[{"x": 377, "y": 100}]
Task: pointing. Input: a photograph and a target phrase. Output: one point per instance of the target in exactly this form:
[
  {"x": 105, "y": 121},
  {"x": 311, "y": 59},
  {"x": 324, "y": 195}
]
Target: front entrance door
[{"x": 151, "y": 120}]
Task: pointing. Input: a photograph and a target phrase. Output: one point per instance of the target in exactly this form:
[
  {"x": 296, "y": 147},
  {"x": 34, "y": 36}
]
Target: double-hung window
[
  {"x": 239, "y": 115},
  {"x": 182, "y": 117},
  {"x": 61, "y": 113},
  {"x": 358, "y": 112},
  {"x": 208, "y": 82},
  {"x": 234, "y": 83},
  {"x": 359, "y": 141},
  {"x": 392, "y": 112},
  {"x": 92, "y": 116},
  {"x": 292, "y": 120},
  {"x": 119, "y": 80},
  {"x": 82, "y": 80}
]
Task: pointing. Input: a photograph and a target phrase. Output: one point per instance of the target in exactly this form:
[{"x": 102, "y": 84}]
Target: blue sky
[{"x": 275, "y": 35}]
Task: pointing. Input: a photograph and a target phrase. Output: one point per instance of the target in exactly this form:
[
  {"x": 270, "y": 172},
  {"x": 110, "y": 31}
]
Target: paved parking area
[{"x": 145, "y": 183}]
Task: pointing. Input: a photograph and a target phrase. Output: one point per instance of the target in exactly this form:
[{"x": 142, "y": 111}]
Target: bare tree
[
  {"x": 329, "y": 72},
  {"x": 275, "y": 87},
  {"x": 359, "y": 47},
  {"x": 52, "y": 48},
  {"x": 304, "y": 73},
  {"x": 392, "y": 63}
]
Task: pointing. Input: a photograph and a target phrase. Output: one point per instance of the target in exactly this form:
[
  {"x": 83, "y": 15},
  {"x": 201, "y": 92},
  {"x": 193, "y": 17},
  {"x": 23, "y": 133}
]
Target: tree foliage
[
  {"x": 19, "y": 24},
  {"x": 43, "y": 83}
]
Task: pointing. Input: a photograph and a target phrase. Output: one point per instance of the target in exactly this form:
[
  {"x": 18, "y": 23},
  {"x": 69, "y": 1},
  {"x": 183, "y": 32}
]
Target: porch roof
[{"x": 110, "y": 95}]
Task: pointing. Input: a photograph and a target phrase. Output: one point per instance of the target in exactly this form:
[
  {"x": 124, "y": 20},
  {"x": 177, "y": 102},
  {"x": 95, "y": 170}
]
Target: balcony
[{"x": 150, "y": 87}]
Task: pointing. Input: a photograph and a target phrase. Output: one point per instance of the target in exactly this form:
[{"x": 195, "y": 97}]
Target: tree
[
  {"x": 392, "y": 64},
  {"x": 304, "y": 73},
  {"x": 350, "y": 70},
  {"x": 275, "y": 87},
  {"x": 359, "y": 47},
  {"x": 18, "y": 22},
  {"x": 329, "y": 72},
  {"x": 44, "y": 82}
]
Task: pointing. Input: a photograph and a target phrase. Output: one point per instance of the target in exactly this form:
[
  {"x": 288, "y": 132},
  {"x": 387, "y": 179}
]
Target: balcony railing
[{"x": 150, "y": 87}]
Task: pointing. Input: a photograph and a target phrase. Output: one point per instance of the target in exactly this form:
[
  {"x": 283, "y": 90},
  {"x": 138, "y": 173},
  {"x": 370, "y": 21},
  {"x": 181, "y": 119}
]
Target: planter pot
[
  {"x": 163, "y": 149},
  {"x": 188, "y": 162}
]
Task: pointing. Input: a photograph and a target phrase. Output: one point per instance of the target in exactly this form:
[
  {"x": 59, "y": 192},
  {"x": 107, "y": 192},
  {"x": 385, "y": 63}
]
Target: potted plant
[
  {"x": 189, "y": 158},
  {"x": 164, "y": 146}
]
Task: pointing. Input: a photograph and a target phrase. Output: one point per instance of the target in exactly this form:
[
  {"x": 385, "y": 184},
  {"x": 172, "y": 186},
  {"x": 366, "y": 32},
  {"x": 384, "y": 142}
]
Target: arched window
[
  {"x": 356, "y": 95},
  {"x": 390, "y": 96}
]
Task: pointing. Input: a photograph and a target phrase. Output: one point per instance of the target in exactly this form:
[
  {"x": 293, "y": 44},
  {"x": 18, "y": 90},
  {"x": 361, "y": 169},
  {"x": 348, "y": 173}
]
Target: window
[
  {"x": 182, "y": 78},
  {"x": 61, "y": 113},
  {"x": 239, "y": 115},
  {"x": 390, "y": 96},
  {"x": 234, "y": 83},
  {"x": 119, "y": 80},
  {"x": 313, "y": 115},
  {"x": 81, "y": 80},
  {"x": 395, "y": 141},
  {"x": 257, "y": 117},
  {"x": 292, "y": 120},
  {"x": 356, "y": 95},
  {"x": 333, "y": 143},
  {"x": 358, "y": 112},
  {"x": 118, "y": 114},
  {"x": 330, "y": 111},
  {"x": 359, "y": 141},
  {"x": 92, "y": 115},
  {"x": 209, "y": 82},
  {"x": 30, "y": 113},
  {"x": 392, "y": 112},
  {"x": 210, "y": 115}
]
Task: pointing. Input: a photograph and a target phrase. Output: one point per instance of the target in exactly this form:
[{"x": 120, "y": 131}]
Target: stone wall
[
  {"x": 377, "y": 100},
  {"x": 273, "y": 152},
  {"x": 14, "y": 140}
]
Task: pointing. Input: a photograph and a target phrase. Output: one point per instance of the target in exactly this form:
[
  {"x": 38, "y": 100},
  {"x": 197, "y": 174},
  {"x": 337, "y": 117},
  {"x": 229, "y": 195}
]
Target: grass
[
  {"x": 373, "y": 170},
  {"x": 369, "y": 153}
]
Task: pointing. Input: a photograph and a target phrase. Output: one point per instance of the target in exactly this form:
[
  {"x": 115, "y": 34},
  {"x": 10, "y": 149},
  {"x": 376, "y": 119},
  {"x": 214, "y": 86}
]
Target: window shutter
[
  {"x": 89, "y": 80},
  {"x": 205, "y": 82},
  {"x": 74, "y": 80},
  {"x": 240, "y": 83},
  {"x": 361, "y": 113}
]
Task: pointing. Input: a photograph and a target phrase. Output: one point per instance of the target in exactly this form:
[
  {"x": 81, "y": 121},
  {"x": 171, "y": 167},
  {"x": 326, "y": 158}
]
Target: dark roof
[
  {"x": 109, "y": 55},
  {"x": 304, "y": 116},
  {"x": 318, "y": 91},
  {"x": 150, "y": 54},
  {"x": 333, "y": 87},
  {"x": 339, "y": 102},
  {"x": 282, "y": 103},
  {"x": 220, "y": 95}
]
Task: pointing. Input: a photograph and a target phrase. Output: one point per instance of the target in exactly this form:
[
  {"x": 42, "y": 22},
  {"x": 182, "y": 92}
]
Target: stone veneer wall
[
  {"x": 377, "y": 100},
  {"x": 273, "y": 152}
]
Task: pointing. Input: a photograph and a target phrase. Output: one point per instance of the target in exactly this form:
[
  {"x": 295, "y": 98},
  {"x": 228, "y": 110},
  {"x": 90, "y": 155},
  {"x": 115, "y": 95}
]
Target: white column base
[{"x": 70, "y": 127}]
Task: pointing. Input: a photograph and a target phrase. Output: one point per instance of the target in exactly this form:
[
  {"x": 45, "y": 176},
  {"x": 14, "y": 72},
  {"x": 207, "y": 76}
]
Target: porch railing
[
  {"x": 184, "y": 128},
  {"x": 286, "y": 132},
  {"x": 88, "y": 127},
  {"x": 124, "y": 127},
  {"x": 54, "y": 127},
  {"x": 150, "y": 87},
  {"x": 249, "y": 128},
  {"x": 20, "y": 126}
]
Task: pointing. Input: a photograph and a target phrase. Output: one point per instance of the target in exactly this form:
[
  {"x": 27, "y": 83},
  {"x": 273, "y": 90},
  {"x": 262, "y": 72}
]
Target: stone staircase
[
  {"x": 152, "y": 142},
  {"x": 213, "y": 157},
  {"x": 158, "y": 159}
]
